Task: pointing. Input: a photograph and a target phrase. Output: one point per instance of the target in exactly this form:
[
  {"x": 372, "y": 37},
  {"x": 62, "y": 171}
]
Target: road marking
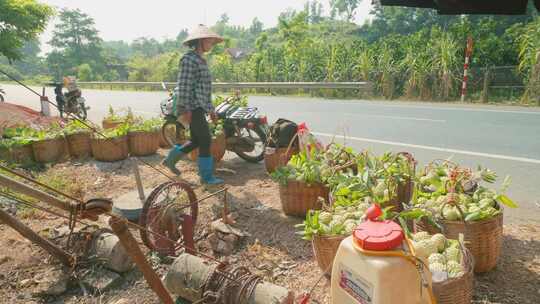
[
  {"x": 437, "y": 107},
  {"x": 455, "y": 151},
  {"x": 399, "y": 117}
]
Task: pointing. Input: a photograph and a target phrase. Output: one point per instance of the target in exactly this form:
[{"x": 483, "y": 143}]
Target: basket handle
[
  {"x": 454, "y": 204},
  {"x": 286, "y": 155}
]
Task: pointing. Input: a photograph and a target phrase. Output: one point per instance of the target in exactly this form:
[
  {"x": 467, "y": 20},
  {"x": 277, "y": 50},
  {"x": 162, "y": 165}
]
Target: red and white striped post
[{"x": 468, "y": 53}]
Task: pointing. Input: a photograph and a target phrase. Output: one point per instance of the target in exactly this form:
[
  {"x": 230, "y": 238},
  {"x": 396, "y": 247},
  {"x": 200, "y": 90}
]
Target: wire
[
  {"x": 31, "y": 205},
  {"x": 26, "y": 177}
]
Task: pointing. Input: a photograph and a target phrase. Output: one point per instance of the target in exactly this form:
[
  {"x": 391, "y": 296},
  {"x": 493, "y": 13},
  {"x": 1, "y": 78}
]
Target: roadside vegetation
[{"x": 405, "y": 53}]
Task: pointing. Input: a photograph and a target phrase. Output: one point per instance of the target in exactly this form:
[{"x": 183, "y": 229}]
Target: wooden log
[
  {"x": 45, "y": 244},
  {"x": 188, "y": 274},
  {"x": 35, "y": 193},
  {"x": 120, "y": 228}
]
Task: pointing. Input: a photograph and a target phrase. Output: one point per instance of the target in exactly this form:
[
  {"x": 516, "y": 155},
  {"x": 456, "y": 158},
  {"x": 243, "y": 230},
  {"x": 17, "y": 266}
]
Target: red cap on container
[{"x": 378, "y": 235}]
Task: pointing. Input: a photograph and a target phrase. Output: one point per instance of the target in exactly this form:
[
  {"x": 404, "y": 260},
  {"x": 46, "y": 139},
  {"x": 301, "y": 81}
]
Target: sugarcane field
[{"x": 284, "y": 152}]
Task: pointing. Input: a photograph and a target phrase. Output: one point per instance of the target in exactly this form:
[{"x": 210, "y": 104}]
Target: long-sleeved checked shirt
[{"x": 194, "y": 84}]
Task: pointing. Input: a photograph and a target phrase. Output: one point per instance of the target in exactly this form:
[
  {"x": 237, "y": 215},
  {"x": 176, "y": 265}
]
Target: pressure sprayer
[{"x": 377, "y": 265}]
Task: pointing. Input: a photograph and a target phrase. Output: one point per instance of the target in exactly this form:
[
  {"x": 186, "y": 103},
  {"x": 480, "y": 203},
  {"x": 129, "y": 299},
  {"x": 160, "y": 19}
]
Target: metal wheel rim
[
  {"x": 159, "y": 216},
  {"x": 259, "y": 142}
]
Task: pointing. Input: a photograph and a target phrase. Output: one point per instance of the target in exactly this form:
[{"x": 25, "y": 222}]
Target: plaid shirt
[{"x": 194, "y": 84}]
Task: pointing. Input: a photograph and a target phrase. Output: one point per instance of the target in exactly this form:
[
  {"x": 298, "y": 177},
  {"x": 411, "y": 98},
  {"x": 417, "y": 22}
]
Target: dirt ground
[{"x": 272, "y": 250}]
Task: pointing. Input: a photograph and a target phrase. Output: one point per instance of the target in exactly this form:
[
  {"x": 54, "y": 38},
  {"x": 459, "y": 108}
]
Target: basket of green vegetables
[
  {"x": 16, "y": 145},
  {"x": 302, "y": 182},
  {"x": 113, "y": 119},
  {"x": 49, "y": 145},
  {"x": 456, "y": 202},
  {"x": 143, "y": 137},
  {"x": 112, "y": 146},
  {"x": 78, "y": 137},
  {"x": 328, "y": 227}
]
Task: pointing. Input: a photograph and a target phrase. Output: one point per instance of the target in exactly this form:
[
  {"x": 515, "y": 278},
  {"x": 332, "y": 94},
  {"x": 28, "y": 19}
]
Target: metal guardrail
[{"x": 240, "y": 85}]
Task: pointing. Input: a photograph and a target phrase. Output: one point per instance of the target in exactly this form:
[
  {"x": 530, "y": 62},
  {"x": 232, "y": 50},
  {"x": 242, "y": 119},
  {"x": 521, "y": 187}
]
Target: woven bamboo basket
[
  {"x": 110, "y": 149},
  {"x": 325, "y": 249},
  {"x": 110, "y": 124},
  {"x": 162, "y": 142},
  {"x": 50, "y": 150},
  {"x": 143, "y": 143},
  {"x": 79, "y": 145},
  {"x": 482, "y": 238},
  {"x": 19, "y": 154},
  {"x": 278, "y": 158},
  {"x": 217, "y": 149},
  {"x": 298, "y": 197},
  {"x": 457, "y": 290}
]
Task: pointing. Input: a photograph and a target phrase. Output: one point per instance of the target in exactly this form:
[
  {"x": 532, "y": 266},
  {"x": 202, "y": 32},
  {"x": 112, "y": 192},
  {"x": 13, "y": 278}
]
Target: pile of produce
[
  {"x": 316, "y": 166},
  {"x": 454, "y": 193},
  {"x": 17, "y": 137},
  {"x": 337, "y": 221},
  {"x": 149, "y": 125},
  {"x": 443, "y": 255},
  {"x": 216, "y": 128},
  {"x": 352, "y": 192},
  {"x": 235, "y": 99},
  {"x": 119, "y": 131},
  {"x": 74, "y": 127}
]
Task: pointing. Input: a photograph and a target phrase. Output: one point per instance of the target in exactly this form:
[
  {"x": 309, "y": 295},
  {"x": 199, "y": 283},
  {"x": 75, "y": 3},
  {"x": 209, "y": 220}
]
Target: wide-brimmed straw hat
[{"x": 202, "y": 32}]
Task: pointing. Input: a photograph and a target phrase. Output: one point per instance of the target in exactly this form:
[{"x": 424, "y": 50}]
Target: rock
[
  {"x": 231, "y": 239},
  {"x": 101, "y": 279},
  {"x": 106, "y": 247},
  {"x": 51, "y": 283},
  {"x": 227, "y": 229},
  {"x": 4, "y": 259},
  {"x": 25, "y": 283},
  {"x": 224, "y": 248}
]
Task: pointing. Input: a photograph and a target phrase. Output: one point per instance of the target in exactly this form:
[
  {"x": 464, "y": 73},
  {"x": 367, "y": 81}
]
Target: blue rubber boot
[
  {"x": 206, "y": 171},
  {"x": 175, "y": 154}
]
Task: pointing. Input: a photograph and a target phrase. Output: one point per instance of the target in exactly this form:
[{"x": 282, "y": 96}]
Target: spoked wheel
[
  {"x": 257, "y": 138},
  {"x": 83, "y": 114},
  {"x": 173, "y": 133},
  {"x": 169, "y": 216}
]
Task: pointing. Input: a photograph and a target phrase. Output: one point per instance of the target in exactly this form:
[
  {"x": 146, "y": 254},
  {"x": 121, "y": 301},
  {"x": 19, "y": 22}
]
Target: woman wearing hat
[{"x": 194, "y": 102}]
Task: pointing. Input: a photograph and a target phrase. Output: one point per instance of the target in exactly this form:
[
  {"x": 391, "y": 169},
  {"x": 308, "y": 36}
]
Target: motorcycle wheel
[
  {"x": 173, "y": 133},
  {"x": 82, "y": 113},
  {"x": 257, "y": 154}
]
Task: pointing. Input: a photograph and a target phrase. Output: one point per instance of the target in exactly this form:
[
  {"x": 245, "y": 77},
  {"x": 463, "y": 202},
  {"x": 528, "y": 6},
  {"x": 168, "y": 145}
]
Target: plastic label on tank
[{"x": 355, "y": 286}]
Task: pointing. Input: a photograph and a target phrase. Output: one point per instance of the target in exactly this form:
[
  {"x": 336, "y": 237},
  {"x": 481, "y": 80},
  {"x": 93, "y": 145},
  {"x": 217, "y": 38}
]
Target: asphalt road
[{"x": 505, "y": 139}]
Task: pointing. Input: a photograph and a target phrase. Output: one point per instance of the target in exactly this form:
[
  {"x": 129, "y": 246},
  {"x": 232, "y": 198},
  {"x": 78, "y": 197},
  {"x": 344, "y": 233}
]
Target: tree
[
  {"x": 84, "y": 72},
  {"x": 346, "y": 8},
  {"x": 21, "y": 21},
  {"x": 256, "y": 27},
  {"x": 76, "y": 40},
  {"x": 314, "y": 10}
]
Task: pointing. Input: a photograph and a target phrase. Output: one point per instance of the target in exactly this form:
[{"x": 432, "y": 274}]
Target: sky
[{"x": 160, "y": 19}]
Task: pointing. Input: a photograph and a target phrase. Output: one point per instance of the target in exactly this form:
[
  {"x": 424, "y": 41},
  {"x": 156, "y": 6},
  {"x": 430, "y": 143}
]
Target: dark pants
[{"x": 200, "y": 134}]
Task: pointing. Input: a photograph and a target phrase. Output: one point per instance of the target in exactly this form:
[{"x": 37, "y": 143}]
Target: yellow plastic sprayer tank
[{"x": 375, "y": 266}]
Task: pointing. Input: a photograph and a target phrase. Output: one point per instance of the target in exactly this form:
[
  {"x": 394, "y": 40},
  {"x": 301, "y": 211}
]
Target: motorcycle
[
  {"x": 245, "y": 129},
  {"x": 70, "y": 102},
  {"x": 2, "y": 93}
]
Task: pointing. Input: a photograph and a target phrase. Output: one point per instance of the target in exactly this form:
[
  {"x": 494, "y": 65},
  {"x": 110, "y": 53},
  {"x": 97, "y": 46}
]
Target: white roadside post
[{"x": 45, "y": 107}]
